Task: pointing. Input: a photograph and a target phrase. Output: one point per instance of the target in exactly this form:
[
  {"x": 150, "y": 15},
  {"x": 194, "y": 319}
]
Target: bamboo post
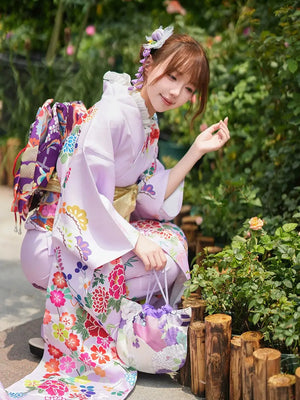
[
  {"x": 266, "y": 364},
  {"x": 297, "y": 375},
  {"x": 235, "y": 373},
  {"x": 281, "y": 387},
  {"x": 250, "y": 341},
  {"x": 217, "y": 354},
  {"x": 198, "y": 307},
  {"x": 184, "y": 374},
  {"x": 197, "y": 355}
]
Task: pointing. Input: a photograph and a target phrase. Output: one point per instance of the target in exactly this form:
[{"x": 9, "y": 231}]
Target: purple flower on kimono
[
  {"x": 171, "y": 336},
  {"x": 148, "y": 189},
  {"x": 80, "y": 267},
  {"x": 57, "y": 298},
  {"x": 87, "y": 390},
  {"x": 136, "y": 344},
  {"x": 83, "y": 248}
]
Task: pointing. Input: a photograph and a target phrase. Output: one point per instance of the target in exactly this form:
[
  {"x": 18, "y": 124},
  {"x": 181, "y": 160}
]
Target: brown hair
[{"x": 188, "y": 56}]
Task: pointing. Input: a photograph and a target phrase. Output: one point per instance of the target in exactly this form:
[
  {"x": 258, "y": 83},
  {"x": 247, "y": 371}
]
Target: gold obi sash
[
  {"x": 125, "y": 200},
  {"x": 124, "y": 197}
]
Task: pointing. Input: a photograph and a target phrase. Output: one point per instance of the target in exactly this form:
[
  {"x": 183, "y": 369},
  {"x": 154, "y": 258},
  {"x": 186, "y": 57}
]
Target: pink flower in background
[
  {"x": 70, "y": 50},
  {"x": 174, "y": 7},
  {"x": 218, "y": 39},
  {"x": 247, "y": 31},
  {"x": 90, "y": 30}
]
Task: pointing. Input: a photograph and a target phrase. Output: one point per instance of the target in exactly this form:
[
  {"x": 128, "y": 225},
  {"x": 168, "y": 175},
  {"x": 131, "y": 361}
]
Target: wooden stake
[
  {"x": 217, "y": 355},
  {"x": 197, "y": 354},
  {"x": 281, "y": 387},
  {"x": 184, "y": 374},
  {"x": 198, "y": 307},
  {"x": 297, "y": 375},
  {"x": 235, "y": 373},
  {"x": 250, "y": 341},
  {"x": 266, "y": 364}
]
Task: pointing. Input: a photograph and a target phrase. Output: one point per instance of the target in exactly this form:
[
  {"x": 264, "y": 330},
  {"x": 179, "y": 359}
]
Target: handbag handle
[{"x": 164, "y": 294}]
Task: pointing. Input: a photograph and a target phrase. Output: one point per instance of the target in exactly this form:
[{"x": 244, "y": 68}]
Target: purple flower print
[
  {"x": 171, "y": 336},
  {"x": 83, "y": 248}
]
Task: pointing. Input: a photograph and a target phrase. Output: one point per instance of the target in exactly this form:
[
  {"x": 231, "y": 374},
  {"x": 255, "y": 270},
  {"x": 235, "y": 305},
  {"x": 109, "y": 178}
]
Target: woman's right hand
[{"x": 150, "y": 253}]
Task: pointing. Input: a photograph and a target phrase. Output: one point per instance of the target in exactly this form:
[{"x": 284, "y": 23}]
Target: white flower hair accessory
[{"x": 155, "y": 41}]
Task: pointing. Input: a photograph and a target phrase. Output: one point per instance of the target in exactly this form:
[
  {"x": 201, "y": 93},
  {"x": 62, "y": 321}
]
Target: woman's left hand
[{"x": 213, "y": 138}]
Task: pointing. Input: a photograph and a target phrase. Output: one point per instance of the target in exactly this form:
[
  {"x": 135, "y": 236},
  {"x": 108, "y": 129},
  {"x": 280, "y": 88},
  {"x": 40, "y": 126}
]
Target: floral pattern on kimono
[{"x": 115, "y": 145}]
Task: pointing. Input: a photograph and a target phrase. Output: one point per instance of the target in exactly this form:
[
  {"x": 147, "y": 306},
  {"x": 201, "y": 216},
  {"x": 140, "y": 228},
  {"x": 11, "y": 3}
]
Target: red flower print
[
  {"x": 57, "y": 298},
  {"x": 72, "y": 342},
  {"x": 54, "y": 388},
  {"x": 99, "y": 354},
  {"x": 154, "y": 134},
  {"x": 59, "y": 280},
  {"x": 100, "y": 299},
  {"x": 116, "y": 261},
  {"x": 53, "y": 351},
  {"x": 68, "y": 320},
  {"x": 117, "y": 282},
  {"x": 52, "y": 365},
  {"x": 47, "y": 317},
  {"x": 104, "y": 339},
  {"x": 93, "y": 327}
]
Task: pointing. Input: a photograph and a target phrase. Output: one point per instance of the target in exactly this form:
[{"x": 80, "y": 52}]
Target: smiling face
[
  {"x": 173, "y": 72},
  {"x": 165, "y": 91}
]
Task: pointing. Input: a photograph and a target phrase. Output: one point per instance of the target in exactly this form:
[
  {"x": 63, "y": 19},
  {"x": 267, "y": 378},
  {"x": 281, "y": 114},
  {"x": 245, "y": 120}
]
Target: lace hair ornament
[{"x": 155, "y": 41}]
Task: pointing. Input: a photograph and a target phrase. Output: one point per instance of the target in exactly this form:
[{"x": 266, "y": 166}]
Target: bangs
[{"x": 189, "y": 62}]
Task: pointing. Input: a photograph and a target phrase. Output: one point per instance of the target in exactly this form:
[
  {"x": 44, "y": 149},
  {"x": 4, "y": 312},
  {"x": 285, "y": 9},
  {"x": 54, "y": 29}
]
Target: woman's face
[{"x": 169, "y": 92}]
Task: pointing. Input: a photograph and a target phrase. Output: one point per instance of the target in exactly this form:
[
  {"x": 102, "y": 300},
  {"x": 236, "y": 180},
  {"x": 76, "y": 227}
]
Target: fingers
[{"x": 152, "y": 255}]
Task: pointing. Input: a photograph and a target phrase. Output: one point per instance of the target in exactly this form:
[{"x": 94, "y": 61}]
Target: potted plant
[{"x": 256, "y": 280}]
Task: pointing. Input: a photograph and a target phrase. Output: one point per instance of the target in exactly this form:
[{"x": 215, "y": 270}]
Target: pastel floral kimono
[{"x": 113, "y": 144}]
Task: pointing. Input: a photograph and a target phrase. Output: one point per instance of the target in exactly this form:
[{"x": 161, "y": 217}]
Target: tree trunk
[
  {"x": 266, "y": 364},
  {"x": 217, "y": 355},
  {"x": 281, "y": 387},
  {"x": 197, "y": 354},
  {"x": 235, "y": 374},
  {"x": 250, "y": 341}
]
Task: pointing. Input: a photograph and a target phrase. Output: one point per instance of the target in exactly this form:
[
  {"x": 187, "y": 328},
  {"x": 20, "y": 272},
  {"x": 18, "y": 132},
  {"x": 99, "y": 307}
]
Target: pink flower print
[
  {"x": 54, "y": 388},
  {"x": 57, "y": 298},
  {"x": 83, "y": 248},
  {"x": 85, "y": 357},
  {"x": 68, "y": 320},
  {"x": 100, "y": 300},
  {"x": 67, "y": 364},
  {"x": 117, "y": 282},
  {"x": 104, "y": 339}
]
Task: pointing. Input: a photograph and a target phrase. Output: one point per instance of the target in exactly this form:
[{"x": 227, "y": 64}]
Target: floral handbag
[{"x": 153, "y": 340}]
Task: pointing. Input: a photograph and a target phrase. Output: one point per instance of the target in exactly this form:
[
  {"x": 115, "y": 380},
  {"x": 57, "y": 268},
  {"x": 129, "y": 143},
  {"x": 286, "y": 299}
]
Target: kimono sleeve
[
  {"x": 152, "y": 188},
  {"x": 87, "y": 223}
]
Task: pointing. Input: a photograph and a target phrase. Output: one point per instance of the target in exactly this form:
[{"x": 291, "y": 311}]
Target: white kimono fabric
[{"x": 114, "y": 144}]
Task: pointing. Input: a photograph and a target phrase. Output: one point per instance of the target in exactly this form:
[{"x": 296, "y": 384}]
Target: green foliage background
[{"x": 253, "y": 49}]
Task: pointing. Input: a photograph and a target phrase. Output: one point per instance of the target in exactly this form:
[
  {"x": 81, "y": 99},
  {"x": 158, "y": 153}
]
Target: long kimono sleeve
[
  {"x": 151, "y": 203},
  {"x": 87, "y": 222}
]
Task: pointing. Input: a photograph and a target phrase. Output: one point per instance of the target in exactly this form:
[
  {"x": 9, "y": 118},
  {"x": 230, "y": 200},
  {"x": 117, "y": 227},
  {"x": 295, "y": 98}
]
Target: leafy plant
[{"x": 256, "y": 279}]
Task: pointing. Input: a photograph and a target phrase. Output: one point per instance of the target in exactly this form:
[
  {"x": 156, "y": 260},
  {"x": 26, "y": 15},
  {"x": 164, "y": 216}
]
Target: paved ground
[{"x": 21, "y": 310}]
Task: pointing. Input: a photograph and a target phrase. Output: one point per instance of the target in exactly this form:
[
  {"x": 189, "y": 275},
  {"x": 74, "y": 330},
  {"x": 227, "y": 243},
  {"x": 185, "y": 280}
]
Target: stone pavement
[{"x": 21, "y": 310}]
